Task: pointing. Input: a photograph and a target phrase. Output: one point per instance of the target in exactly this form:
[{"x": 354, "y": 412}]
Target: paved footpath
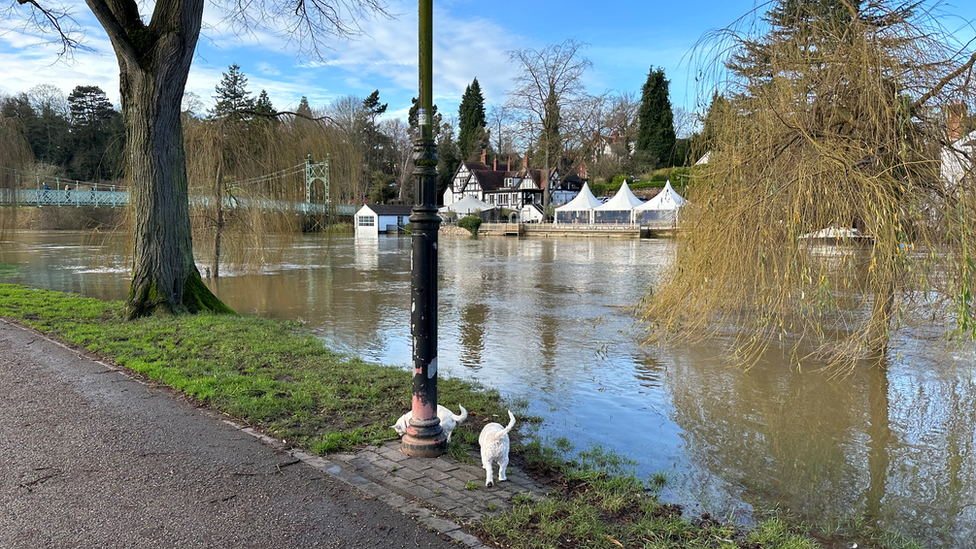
[{"x": 91, "y": 458}]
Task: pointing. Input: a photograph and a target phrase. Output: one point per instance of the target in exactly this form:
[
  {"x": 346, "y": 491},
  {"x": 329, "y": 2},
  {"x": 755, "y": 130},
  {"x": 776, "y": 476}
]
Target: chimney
[
  {"x": 508, "y": 167},
  {"x": 954, "y": 121},
  {"x": 525, "y": 161},
  {"x": 494, "y": 163},
  {"x": 484, "y": 156}
]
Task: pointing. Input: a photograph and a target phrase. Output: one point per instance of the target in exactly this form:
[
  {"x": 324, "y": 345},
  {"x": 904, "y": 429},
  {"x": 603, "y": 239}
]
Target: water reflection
[{"x": 550, "y": 320}]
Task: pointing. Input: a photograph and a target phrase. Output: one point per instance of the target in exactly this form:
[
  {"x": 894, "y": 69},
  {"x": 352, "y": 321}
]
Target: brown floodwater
[{"x": 548, "y": 322}]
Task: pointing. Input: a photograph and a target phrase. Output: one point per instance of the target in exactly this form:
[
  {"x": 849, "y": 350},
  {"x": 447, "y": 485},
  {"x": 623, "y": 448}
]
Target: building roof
[{"x": 387, "y": 209}]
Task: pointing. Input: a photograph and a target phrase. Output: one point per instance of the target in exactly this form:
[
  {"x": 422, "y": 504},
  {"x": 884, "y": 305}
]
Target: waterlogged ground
[{"x": 549, "y": 321}]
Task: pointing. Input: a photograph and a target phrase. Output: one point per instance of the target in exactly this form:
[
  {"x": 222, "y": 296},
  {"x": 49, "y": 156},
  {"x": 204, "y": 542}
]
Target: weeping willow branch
[{"x": 828, "y": 127}]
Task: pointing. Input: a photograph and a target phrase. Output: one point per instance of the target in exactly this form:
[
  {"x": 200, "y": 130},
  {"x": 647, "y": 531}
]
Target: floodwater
[{"x": 550, "y": 321}]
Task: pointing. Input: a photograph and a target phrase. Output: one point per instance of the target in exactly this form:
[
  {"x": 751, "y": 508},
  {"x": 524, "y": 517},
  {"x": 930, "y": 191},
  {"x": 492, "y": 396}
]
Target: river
[{"x": 549, "y": 322}]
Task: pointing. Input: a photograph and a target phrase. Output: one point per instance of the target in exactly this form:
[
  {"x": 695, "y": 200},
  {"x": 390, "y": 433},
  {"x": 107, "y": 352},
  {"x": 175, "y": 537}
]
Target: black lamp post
[{"x": 424, "y": 437}]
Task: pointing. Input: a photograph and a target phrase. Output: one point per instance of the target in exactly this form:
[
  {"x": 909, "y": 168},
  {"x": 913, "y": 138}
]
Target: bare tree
[
  {"x": 154, "y": 61},
  {"x": 685, "y": 123},
  {"x": 401, "y": 152},
  {"x": 548, "y": 86}
]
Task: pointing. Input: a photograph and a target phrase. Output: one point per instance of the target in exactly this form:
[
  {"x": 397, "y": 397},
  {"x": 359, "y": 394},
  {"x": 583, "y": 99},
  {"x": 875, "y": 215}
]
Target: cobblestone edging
[{"x": 432, "y": 491}]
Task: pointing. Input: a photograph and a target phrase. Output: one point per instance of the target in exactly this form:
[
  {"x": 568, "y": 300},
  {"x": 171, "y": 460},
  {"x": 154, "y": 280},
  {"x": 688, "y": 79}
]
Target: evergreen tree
[
  {"x": 232, "y": 97},
  {"x": 655, "y": 136},
  {"x": 715, "y": 122},
  {"x": 415, "y": 124},
  {"x": 799, "y": 29},
  {"x": 472, "y": 121},
  {"x": 304, "y": 116},
  {"x": 448, "y": 159},
  {"x": 303, "y": 109},
  {"x": 95, "y": 127},
  {"x": 374, "y": 141},
  {"x": 263, "y": 105}
]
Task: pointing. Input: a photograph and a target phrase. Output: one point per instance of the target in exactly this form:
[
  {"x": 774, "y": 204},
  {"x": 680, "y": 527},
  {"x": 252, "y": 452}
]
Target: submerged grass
[{"x": 275, "y": 375}]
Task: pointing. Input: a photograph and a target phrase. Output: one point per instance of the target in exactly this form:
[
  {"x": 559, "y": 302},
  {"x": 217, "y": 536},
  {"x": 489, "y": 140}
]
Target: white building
[
  {"x": 958, "y": 161},
  {"x": 518, "y": 190},
  {"x": 373, "y": 219}
]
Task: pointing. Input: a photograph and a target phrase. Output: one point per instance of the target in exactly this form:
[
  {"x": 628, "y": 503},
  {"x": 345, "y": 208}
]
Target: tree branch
[{"x": 942, "y": 83}]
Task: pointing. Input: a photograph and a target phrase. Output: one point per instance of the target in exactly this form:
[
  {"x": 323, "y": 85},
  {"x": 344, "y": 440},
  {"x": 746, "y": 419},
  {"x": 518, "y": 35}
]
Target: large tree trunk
[{"x": 154, "y": 62}]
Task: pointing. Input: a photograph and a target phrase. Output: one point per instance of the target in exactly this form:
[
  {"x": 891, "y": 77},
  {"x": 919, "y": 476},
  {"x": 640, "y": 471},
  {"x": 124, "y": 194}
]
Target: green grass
[
  {"x": 271, "y": 374},
  {"x": 277, "y": 376}
]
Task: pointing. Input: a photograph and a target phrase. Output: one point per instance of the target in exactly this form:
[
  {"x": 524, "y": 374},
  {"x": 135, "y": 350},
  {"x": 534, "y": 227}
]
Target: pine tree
[
  {"x": 472, "y": 121},
  {"x": 263, "y": 105},
  {"x": 303, "y": 109},
  {"x": 655, "y": 136},
  {"x": 414, "y": 123},
  {"x": 94, "y": 126},
  {"x": 374, "y": 140},
  {"x": 448, "y": 158},
  {"x": 232, "y": 97}
]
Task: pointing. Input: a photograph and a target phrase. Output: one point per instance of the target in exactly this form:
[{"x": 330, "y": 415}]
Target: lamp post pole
[{"x": 424, "y": 436}]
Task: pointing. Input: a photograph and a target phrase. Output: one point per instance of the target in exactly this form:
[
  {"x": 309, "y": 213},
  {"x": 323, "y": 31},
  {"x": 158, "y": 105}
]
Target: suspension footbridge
[{"x": 57, "y": 191}]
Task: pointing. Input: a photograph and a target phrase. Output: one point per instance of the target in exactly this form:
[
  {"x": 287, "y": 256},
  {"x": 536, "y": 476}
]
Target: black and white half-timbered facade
[{"x": 518, "y": 190}]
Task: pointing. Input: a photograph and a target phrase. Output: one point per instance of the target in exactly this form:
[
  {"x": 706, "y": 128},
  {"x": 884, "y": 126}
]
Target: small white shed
[{"x": 373, "y": 219}]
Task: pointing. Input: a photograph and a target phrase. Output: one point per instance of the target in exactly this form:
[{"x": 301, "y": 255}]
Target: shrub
[{"x": 471, "y": 223}]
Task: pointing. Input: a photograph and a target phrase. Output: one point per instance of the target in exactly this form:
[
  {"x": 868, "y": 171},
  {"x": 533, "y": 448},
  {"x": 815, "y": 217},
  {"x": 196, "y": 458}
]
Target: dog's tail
[
  {"x": 462, "y": 417},
  {"x": 510, "y": 424}
]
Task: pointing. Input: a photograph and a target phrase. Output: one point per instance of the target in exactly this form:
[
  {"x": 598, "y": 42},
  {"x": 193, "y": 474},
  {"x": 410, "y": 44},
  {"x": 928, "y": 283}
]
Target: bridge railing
[
  {"x": 114, "y": 199},
  {"x": 57, "y": 197}
]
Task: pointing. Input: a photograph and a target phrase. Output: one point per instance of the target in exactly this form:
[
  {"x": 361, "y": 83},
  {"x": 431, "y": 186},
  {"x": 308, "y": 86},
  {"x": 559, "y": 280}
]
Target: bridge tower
[{"x": 315, "y": 173}]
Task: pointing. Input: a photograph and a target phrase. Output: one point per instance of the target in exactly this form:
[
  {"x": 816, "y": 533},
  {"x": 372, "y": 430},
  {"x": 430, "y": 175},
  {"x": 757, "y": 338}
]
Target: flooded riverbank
[{"x": 549, "y": 321}]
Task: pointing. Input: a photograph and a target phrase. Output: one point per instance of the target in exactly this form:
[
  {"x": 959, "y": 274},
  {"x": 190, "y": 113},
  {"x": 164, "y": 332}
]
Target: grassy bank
[{"x": 278, "y": 377}]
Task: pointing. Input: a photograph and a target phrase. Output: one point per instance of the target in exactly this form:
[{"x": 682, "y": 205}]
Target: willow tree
[
  {"x": 15, "y": 156},
  {"x": 245, "y": 165},
  {"x": 154, "y": 59},
  {"x": 834, "y": 119}
]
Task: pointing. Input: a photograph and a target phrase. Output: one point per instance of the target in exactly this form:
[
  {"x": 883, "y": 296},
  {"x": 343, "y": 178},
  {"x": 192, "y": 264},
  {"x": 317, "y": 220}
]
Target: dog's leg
[
  {"x": 487, "y": 465},
  {"x": 502, "y": 465}
]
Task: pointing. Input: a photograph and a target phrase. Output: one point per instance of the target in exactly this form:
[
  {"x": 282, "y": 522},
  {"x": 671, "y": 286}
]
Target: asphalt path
[{"x": 90, "y": 457}]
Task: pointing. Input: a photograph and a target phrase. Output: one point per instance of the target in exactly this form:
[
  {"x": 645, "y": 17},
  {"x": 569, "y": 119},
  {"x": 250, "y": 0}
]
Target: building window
[{"x": 367, "y": 221}]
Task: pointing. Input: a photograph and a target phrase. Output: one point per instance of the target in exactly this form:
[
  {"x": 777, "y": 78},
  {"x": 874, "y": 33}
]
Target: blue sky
[{"x": 625, "y": 38}]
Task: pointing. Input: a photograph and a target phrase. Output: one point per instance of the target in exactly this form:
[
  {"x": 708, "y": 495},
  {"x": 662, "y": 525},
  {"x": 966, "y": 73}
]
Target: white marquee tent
[
  {"x": 663, "y": 208},
  {"x": 468, "y": 205},
  {"x": 618, "y": 209},
  {"x": 579, "y": 209}
]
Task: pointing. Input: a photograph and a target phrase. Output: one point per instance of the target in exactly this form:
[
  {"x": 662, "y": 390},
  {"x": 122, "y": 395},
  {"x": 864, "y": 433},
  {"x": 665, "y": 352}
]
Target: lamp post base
[
  {"x": 427, "y": 448},
  {"x": 424, "y": 438}
]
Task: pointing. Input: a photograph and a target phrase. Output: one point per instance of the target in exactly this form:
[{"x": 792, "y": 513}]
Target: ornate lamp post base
[{"x": 429, "y": 441}]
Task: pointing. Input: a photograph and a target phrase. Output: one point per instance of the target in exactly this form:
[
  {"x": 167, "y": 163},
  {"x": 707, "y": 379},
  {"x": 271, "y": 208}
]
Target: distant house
[
  {"x": 373, "y": 219},
  {"x": 958, "y": 161},
  {"x": 473, "y": 179},
  {"x": 518, "y": 190}
]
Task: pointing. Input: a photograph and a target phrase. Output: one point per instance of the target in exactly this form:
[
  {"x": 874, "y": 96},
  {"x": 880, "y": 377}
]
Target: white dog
[
  {"x": 448, "y": 420},
  {"x": 494, "y": 448}
]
